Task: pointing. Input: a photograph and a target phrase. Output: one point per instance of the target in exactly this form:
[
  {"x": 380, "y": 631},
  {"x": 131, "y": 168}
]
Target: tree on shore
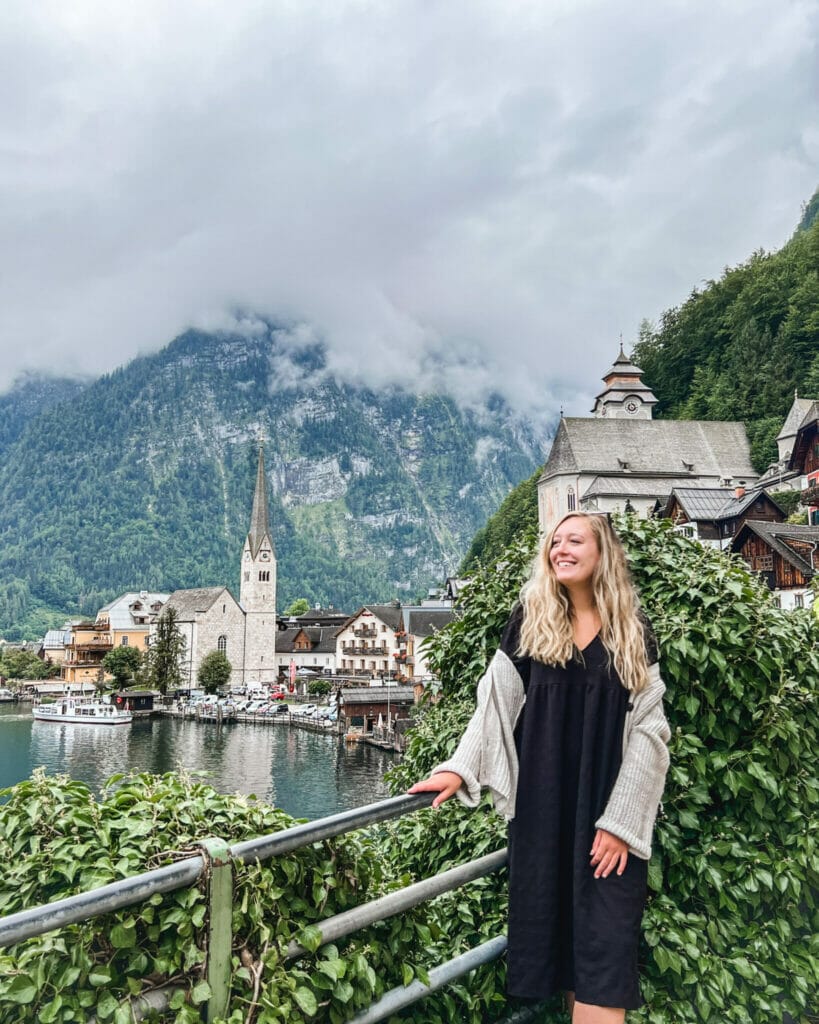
[
  {"x": 214, "y": 671},
  {"x": 123, "y": 663},
  {"x": 165, "y": 652}
]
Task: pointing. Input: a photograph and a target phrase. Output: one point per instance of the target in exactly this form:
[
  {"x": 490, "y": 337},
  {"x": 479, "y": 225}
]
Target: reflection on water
[{"x": 307, "y": 774}]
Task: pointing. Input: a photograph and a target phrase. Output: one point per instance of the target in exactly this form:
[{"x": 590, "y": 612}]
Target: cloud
[{"x": 478, "y": 195}]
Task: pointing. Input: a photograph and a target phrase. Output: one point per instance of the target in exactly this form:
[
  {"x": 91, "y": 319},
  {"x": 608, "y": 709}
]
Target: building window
[
  {"x": 221, "y": 644},
  {"x": 264, "y": 575},
  {"x": 570, "y": 500},
  {"x": 247, "y": 577},
  {"x": 799, "y": 600},
  {"x": 124, "y": 641}
]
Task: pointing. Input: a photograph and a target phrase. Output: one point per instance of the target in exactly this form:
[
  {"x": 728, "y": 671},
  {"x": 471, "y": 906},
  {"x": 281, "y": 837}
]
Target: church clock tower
[
  {"x": 625, "y": 395},
  {"x": 257, "y": 589}
]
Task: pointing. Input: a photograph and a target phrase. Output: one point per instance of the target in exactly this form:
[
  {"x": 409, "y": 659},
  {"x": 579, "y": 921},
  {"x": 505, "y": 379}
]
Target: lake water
[{"x": 306, "y": 774}]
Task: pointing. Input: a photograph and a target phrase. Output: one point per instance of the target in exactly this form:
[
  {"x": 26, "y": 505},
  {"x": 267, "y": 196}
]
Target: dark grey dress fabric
[{"x": 567, "y": 930}]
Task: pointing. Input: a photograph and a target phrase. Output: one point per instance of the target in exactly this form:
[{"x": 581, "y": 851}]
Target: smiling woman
[{"x": 570, "y": 737}]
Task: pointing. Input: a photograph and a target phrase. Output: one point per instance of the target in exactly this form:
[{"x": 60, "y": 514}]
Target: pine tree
[{"x": 165, "y": 652}]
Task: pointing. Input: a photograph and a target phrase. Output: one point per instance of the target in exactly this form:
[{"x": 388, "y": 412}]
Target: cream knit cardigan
[{"x": 486, "y": 754}]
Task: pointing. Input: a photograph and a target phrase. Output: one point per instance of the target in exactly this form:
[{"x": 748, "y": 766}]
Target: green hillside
[{"x": 144, "y": 479}]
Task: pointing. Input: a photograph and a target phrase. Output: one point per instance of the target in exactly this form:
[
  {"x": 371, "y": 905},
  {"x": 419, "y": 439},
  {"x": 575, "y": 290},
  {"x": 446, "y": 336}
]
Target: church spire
[{"x": 259, "y": 526}]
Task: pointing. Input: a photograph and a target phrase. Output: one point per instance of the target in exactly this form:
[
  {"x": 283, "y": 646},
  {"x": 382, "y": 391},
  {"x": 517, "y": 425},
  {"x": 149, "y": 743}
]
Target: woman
[{"x": 579, "y": 772}]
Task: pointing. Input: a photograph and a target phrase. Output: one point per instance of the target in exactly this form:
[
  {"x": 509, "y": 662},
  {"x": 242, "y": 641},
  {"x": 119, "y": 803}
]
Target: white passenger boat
[
  {"x": 7, "y": 696},
  {"x": 66, "y": 709}
]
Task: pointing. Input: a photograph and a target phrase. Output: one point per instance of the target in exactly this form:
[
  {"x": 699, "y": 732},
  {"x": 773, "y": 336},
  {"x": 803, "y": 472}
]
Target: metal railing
[{"x": 215, "y": 865}]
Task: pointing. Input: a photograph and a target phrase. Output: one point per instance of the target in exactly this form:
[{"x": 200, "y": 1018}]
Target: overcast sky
[{"x": 475, "y": 193}]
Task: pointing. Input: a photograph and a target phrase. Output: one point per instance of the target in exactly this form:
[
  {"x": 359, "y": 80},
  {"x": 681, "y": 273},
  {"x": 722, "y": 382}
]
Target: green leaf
[
  {"x": 21, "y": 990},
  {"x": 122, "y": 937},
  {"x": 306, "y": 1000},
  {"x": 201, "y": 992}
]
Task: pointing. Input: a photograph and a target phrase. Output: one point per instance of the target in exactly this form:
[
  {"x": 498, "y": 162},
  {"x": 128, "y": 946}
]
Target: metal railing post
[{"x": 219, "y": 874}]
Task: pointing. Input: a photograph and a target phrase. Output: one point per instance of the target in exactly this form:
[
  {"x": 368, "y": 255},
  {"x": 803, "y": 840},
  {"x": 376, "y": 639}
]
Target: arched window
[
  {"x": 221, "y": 644},
  {"x": 571, "y": 500}
]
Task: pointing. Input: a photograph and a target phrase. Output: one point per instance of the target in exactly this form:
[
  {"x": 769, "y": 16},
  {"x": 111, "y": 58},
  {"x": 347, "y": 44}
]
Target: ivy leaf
[{"x": 306, "y": 1000}]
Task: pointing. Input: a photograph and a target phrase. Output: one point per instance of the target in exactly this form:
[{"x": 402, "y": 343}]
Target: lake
[{"x": 306, "y": 774}]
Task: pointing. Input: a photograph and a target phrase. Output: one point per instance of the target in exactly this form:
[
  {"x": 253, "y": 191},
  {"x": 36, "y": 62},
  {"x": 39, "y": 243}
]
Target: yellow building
[{"x": 125, "y": 622}]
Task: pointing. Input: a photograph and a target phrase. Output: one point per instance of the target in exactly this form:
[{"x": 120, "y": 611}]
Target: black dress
[{"x": 567, "y": 930}]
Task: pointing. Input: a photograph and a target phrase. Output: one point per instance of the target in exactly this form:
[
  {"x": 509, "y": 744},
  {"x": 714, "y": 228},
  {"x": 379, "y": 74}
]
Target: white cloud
[{"x": 483, "y": 195}]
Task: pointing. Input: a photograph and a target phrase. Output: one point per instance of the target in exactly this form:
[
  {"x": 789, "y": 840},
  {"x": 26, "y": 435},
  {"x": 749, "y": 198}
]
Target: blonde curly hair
[{"x": 546, "y": 630}]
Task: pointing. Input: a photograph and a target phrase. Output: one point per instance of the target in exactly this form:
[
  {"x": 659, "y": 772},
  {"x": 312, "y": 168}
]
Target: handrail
[{"x": 215, "y": 864}]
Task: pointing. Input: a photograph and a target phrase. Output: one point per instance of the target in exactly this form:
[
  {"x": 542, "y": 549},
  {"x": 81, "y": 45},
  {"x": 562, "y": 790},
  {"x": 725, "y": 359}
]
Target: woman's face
[{"x": 574, "y": 553}]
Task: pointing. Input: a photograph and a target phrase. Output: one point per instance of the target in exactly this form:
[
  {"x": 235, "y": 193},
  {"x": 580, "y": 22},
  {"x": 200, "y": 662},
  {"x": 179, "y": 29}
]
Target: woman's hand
[
  {"x": 607, "y": 852},
  {"x": 445, "y": 784}
]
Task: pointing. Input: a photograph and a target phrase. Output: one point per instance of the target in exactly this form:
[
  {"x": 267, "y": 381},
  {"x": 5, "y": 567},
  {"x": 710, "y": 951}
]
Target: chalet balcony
[
  {"x": 365, "y": 651},
  {"x": 365, "y": 631},
  {"x": 95, "y": 643}
]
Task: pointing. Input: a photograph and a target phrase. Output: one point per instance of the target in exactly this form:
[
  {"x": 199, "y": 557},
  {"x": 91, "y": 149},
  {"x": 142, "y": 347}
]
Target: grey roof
[
  {"x": 188, "y": 603},
  {"x": 322, "y": 639},
  {"x": 259, "y": 526},
  {"x": 426, "y": 621},
  {"x": 377, "y": 694},
  {"x": 55, "y": 638},
  {"x": 122, "y": 611},
  {"x": 717, "y": 503},
  {"x": 780, "y": 536},
  {"x": 629, "y": 486},
  {"x": 390, "y": 614},
  {"x": 800, "y": 412},
  {"x": 649, "y": 448},
  {"x": 622, "y": 364}
]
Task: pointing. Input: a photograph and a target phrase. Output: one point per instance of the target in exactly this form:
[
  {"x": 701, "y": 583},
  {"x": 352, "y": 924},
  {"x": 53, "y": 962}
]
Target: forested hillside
[
  {"x": 144, "y": 479},
  {"x": 737, "y": 349}
]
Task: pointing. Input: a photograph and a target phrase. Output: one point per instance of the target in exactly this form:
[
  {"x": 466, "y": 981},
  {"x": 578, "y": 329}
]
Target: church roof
[
  {"x": 259, "y": 526},
  {"x": 650, "y": 448},
  {"x": 189, "y": 603},
  {"x": 800, "y": 412},
  {"x": 623, "y": 365},
  {"x": 629, "y": 486}
]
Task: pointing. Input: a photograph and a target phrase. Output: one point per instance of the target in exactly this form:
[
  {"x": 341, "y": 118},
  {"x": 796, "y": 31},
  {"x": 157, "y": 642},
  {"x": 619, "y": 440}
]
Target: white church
[{"x": 211, "y": 619}]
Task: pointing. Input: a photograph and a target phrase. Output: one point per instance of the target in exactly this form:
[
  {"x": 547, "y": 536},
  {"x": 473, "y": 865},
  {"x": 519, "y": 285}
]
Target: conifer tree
[{"x": 165, "y": 652}]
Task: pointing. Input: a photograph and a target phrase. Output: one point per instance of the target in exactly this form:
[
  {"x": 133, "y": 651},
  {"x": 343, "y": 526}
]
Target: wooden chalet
[
  {"x": 785, "y": 555},
  {"x": 712, "y": 515},
  {"x": 805, "y": 461},
  {"x": 363, "y": 706}
]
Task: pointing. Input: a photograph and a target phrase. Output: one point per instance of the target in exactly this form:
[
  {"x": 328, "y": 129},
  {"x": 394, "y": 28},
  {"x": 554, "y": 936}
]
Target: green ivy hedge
[{"x": 731, "y": 928}]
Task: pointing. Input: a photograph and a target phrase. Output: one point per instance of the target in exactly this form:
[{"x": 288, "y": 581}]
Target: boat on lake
[
  {"x": 7, "y": 696},
  {"x": 91, "y": 712}
]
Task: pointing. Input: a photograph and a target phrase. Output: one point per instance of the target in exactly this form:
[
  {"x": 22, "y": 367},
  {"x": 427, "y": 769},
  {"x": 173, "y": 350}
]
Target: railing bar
[
  {"x": 349, "y": 921},
  {"x": 127, "y": 891},
  {"x": 325, "y": 828},
  {"x": 25, "y": 924},
  {"x": 399, "y": 998}
]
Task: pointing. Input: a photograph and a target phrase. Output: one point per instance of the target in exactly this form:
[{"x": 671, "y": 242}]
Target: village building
[
  {"x": 124, "y": 622},
  {"x": 786, "y": 557},
  {"x": 365, "y": 709},
  {"x": 804, "y": 462},
  {"x": 418, "y": 624},
  {"x": 385, "y": 641},
  {"x": 211, "y": 619},
  {"x": 780, "y": 474},
  {"x": 621, "y": 458},
  {"x": 712, "y": 515},
  {"x": 54, "y": 648},
  {"x": 305, "y": 649}
]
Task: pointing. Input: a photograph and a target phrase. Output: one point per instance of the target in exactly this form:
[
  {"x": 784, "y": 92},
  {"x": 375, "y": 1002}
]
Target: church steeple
[
  {"x": 257, "y": 589},
  {"x": 259, "y": 526},
  {"x": 625, "y": 395}
]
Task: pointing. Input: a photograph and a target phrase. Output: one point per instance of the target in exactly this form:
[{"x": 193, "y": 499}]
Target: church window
[
  {"x": 224, "y": 608},
  {"x": 247, "y": 577},
  {"x": 221, "y": 644},
  {"x": 570, "y": 500}
]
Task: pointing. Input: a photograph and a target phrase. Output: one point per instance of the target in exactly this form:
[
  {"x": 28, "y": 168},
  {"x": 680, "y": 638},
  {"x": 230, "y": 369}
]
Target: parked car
[
  {"x": 282, "y": 709},
  {"x": 277, "y": 695}
]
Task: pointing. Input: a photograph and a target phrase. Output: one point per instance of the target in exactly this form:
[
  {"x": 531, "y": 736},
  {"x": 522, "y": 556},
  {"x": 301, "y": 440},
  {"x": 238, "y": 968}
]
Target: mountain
[
  {"x": 29, "y": 395},
  {"x": 144, "y": 479}
]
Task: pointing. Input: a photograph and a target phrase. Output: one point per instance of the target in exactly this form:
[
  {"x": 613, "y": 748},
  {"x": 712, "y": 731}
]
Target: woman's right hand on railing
[{"x": 445, "y": 784}]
